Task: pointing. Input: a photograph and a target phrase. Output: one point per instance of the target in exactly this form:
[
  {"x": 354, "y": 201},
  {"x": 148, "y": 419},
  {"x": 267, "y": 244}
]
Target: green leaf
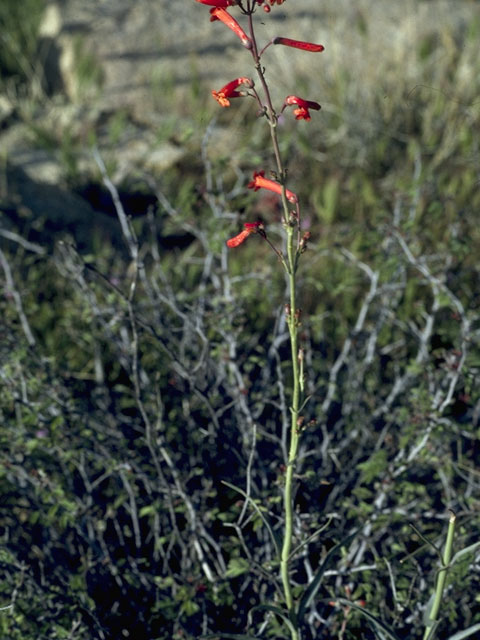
[
  {"x": 282, "y": 613},
  {"x": 370, "y": 617},
  {"x": 6, "y": 557},
  {"x": 189, "y": 608},
  {"x": 466, "y": 633},
  {"x": 464, "y": 552},
  {"x": 237, "y": 567},
  {"x": 310, "y": 538},
  {"x": 428, "y": 609},
  {"x": 148, "y": 510},
  {"x": 314, "y": 586},
  {"x": 374, "y": 466},
  {"x": 431, "y": 624}
]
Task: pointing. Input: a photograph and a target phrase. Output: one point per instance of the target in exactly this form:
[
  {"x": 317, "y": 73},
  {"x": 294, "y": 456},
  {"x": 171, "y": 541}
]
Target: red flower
[
  {"x": 298, "y": 44},
  {"x": 272, "y": 2},
  {"x": 217, "y": 3},
  {"x": 250, "y": 227},
  {"x": 219, "y": 13},
  {"x": 229, "y": 91},
  {"x": 260, "y": 182},
  {"x": 302, "y": 113}
]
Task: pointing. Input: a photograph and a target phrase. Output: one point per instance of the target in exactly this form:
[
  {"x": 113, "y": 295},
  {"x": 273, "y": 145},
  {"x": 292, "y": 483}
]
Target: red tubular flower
[
  {"x": 250, "y": 227},
  {"x": 219, "y": 13},
  {"x": 302, "y": 113},
  {"x": 260, "y": 182},
  {"x": 298, "y": 44},
  {"x": 217, "y": 3},
  {"x": 229, "y": 91},
  {"x": 272, "y": 2}
]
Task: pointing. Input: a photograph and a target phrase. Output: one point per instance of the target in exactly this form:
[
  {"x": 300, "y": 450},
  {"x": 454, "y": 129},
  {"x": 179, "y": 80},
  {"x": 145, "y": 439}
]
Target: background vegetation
[{"x": 142, "y": 370}]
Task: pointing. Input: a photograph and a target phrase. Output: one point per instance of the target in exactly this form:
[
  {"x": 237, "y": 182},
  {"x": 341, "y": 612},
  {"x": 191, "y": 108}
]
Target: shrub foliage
[{"x": 143, "y": 408}]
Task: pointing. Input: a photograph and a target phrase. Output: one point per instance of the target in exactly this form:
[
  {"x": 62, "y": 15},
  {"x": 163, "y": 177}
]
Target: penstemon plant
[
  {"x": 296, "y": 602},
  {"x": 296, "y": 239}
]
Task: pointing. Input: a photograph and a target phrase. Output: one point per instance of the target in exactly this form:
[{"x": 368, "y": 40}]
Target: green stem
[
  {"x": 442, "y": 577},
  {"x": 290, "y": 264},
  {"x": 294, "y": 435}
]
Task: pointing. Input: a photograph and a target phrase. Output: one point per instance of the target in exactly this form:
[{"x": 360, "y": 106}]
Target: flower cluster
[
  {"x": 244, "y": 87},
  {"x": 230, "y": 90}
]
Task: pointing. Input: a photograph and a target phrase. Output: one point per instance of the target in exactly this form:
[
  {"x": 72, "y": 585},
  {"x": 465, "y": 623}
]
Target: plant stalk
[
  {"x": 441, "y": 578},
  {"x": 293, "y": 322},
  {"x": 294, "y": 435}
]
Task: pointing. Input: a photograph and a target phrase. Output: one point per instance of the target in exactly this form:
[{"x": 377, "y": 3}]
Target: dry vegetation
[{"x": 143, "y": 369}]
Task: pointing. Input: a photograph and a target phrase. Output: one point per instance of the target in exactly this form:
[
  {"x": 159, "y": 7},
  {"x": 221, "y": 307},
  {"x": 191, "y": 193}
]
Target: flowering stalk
[{"x": 296, "y": 244}]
